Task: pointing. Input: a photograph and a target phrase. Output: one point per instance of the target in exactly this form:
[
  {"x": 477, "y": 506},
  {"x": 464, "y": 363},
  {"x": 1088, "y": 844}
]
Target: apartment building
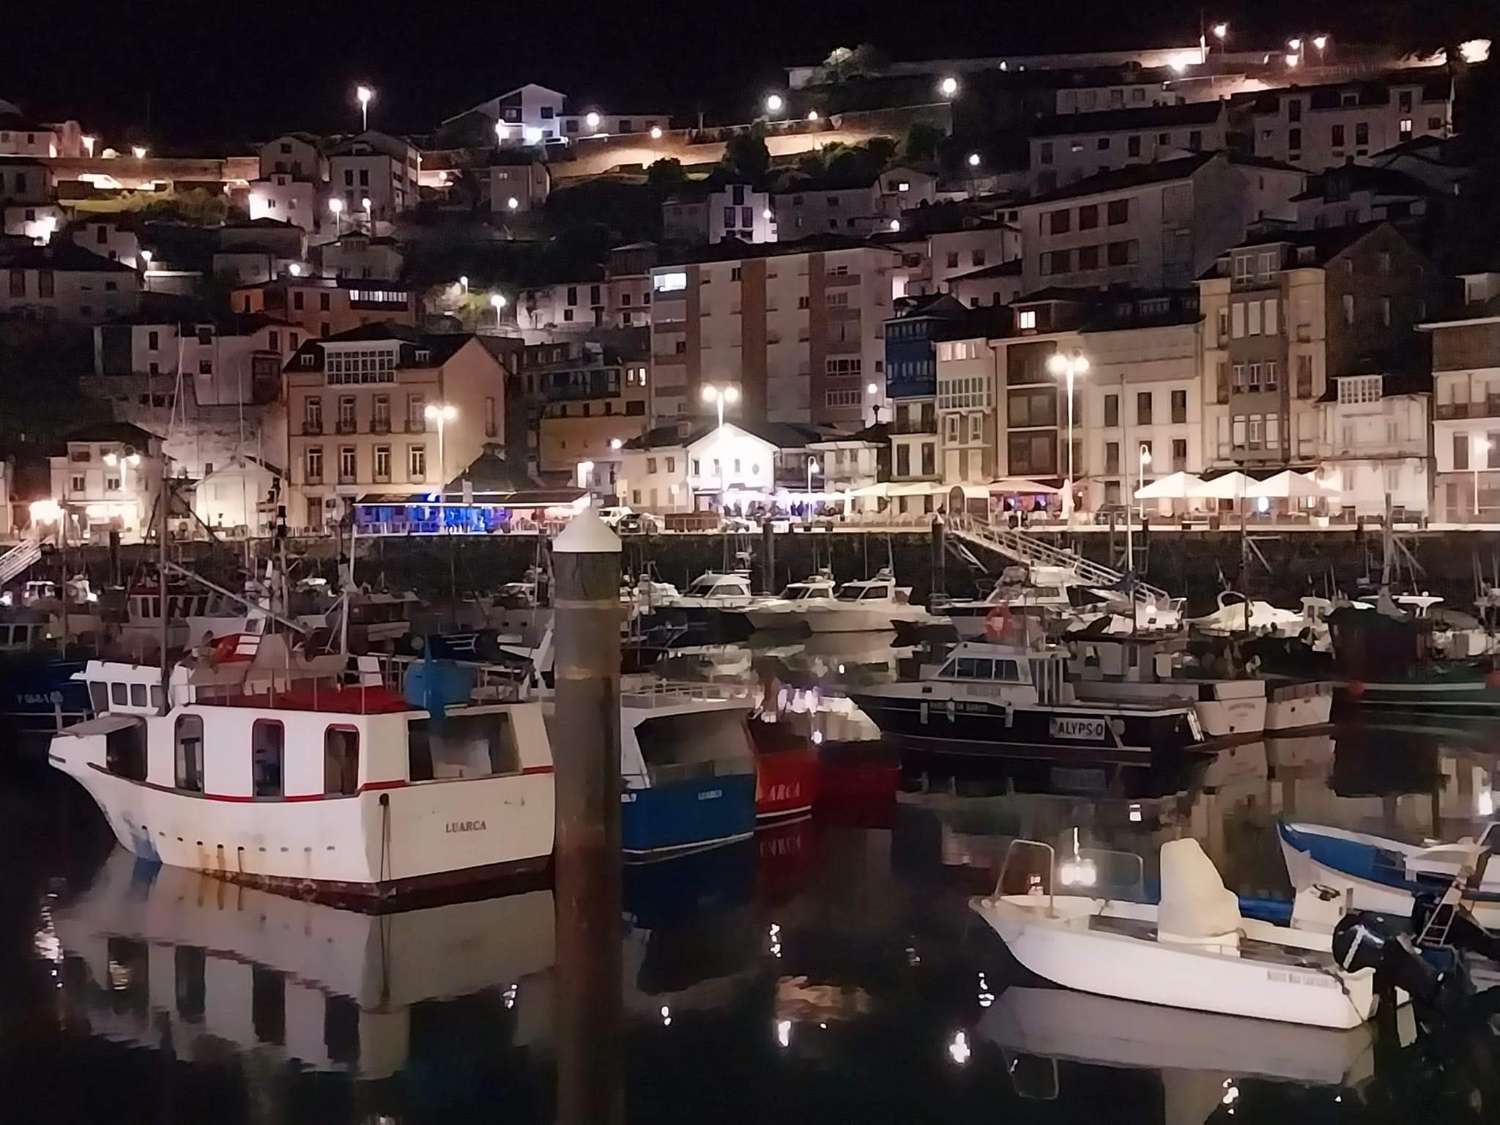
[
  {"x": 796, "y": 327},
  {"x": 25, "y": 182},
  {"x": 106, "y": 477},
  {"x": 1151, "y": 226},
  {"x": 357, "y": 415},
  {"x": 63, "y": 282},
  {"x": 590, "y": 400},
  {"x": 534, "y": 114},
  {"x": 966, "y": 417},
  {"x": 1376, "y": 442},
  {"x": 378, "y": 167},
  {"x": 829, "y": 207},
  {"x": 1141, "y": 389},
  {"x": 912, "y": 338},
  {"x": 1466, "y": 414},
  {"x": 573, "y": 307},
  {"x": 327, "y": 306},
  {"x": 298, "y": 155},
  {"x": 1285, "y": 313},
  {"x": 1318, "y": 127},
  {"x": 286, "y": 198},
  {"x": 682, "y": 468},
  {"x": 516, "y": 185},
  {"x": 1352, "y": 194},
  {"x": 357, "y": 256},
  {"x": 734, "y": 211},
  {"x": 1072, "y": 146},
  {"x": 109, "y": 238}
]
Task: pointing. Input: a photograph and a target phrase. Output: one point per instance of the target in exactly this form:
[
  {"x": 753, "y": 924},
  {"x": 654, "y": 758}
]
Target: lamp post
[
  {"x": 813, "y": 468},
  {"x": 1479, "y": 452},
  {"x": 948, "y": 87},
  {"x": 336, "y": 205},
  {"x": 497, "y": 302},
  {"x": 369, "y": 214},
  {"x": 719, "y": 396},
  {"x": 775, "y": 103},
  {"x": 1069, "y": 367},
  {"x": 1145, "y": 460},
  {"x": 365, "y": 95},
  {"x": 442, "y": 413}
]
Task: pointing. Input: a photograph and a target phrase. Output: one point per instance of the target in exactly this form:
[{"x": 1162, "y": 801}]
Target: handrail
[
  {"x": 19, "y": 559},
  {"x": 1026, "y": 548}
]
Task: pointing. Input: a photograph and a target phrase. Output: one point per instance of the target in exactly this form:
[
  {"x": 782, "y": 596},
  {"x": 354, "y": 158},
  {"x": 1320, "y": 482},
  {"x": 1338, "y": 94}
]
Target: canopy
[
  {"x": 1288, "y": 485},
  {"x": 1021, "y": 484},
  {"x": 1230, "y": 486},
  {"x": 1178, "y": 486}
]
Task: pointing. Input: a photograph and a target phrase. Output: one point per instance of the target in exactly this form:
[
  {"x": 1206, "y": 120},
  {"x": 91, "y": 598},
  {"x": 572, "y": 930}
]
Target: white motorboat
[
  {"x": 1038, "y": 591},
  {"x": 785, "y": 610},
  {"x": 1193, "y": 950},
  {"x": 167, "y": 953},
  {"x": 864, "y": 605},
  {"x": 1237, "y": 615},
  {"x": 1135, "y": 668},
  {"x": 271, "y": 771},
  {"x": 1385, "y": 875},
  {"x": 711, "y": 591}
]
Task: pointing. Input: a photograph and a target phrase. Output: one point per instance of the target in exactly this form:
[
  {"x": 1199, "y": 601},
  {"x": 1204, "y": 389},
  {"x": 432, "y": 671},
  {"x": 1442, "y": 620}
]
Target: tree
[
  {"x": 844, "y": 63},
  {"x": 746, "y": 157},
  {"x": 921, "y": 143},
  {"x": 666, "y": 174}
]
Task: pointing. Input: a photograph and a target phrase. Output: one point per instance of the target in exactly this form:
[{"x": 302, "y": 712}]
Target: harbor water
[{"x": 828, "y": 970}]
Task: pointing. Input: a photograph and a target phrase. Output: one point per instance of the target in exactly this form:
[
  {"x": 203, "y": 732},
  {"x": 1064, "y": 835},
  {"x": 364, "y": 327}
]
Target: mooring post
[
  {"x": 939, "y": 560},
  {"x": 768, "y": 556},
  {"x": 586, "y": 753}
]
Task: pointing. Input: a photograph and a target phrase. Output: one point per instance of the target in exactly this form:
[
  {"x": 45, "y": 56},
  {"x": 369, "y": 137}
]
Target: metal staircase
[
  {"x": 1029, "y": 550},
  {"x": 19, "y": 559}
]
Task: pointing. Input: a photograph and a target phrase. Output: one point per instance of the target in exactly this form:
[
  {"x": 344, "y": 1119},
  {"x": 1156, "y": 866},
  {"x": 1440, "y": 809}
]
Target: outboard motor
[
  {"x": 1372, "y": 941},
  {"x": 1464, "y": 931}
]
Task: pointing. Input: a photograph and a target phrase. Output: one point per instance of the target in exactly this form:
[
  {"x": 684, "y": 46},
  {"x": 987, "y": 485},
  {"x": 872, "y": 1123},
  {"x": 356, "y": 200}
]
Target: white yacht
[
  {"x": 863, "y": 605},
  {"x": 1039, "y": 591},
  {"x": 272, "y": 771},
  {"x": 786, "y": 608},
  {"x": 709, "y": 592}
]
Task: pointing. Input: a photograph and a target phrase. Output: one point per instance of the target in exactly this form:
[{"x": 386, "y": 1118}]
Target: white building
[
  {"x": 533, "y": 114},
  {"x": 106, "y": 479},
  {"x": 378, "y": 167},
  {"x": 1466, "y": 414},
  {"x": 902, "y": 187},
  {"x": 62, "y": 282},
  {"x": 732, "y": 211},
  {"x": 232, "y": 497},
  {"x": 298, "y": 155},
  {"x": 285, "y": 198},
  {"x": 1072, "y": 146},
  {"x": 36, "y": 221},
  {"x": 1152, "y": 226},
  {"x": 109, "y": 239},
  {"x": 518, "y": 186},
  {"x": 25, "y": 182},
  {"x": 1318, "y": 127},
  {"x": 797, "y": 328},
  {"x": 674, "y": 469},
  {"x": 622, "y": 301},
  {"x": 813, "y": 208},
  {"x": 1376, "y": 443},
  {"x": 357, "y": 255}
]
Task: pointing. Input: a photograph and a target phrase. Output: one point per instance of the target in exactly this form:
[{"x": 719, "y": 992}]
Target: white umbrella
[
  {"x": 1021, "y": 484},
  {"x": 1177, "y": 486},
  {"x": 1230, "y": 486},
  {"x": 1288, "y": 485}
]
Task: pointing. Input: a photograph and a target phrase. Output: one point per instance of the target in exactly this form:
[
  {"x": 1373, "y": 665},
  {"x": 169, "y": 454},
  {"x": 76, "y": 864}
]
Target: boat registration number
[
  {"x": 1278, "y": 976},
  {"x": 1092, "y": 729}
]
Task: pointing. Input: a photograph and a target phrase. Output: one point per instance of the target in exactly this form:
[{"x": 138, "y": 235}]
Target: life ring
[{"x": 997, "y": 621}]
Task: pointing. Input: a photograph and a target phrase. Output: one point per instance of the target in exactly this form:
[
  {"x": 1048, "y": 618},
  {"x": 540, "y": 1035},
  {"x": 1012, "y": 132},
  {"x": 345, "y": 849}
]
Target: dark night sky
[{"x": 216, "y": 73}]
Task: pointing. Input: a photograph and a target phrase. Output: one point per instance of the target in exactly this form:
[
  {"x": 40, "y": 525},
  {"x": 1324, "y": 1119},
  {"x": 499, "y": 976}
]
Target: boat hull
[
  {"x": 1172, "y": 975},
  {"x": 833, "y": 619},
  {"x": 786, "y": 784},
  {"x": 693, "y": 814},
  {"x": 41, "y": 695},
  {"x": 1472, "y": 698},
  {"x": 1294, "y": 707}
]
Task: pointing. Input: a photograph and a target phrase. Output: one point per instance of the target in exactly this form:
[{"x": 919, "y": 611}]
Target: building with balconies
[
  {"x": 591, "y": 399},
  {"x": 682, "y": 467},
  {"x": 106, "y": 478},
  {"x": 357, "y": 412},
  {"x": 326, "y": 306},
  {"x": 1071, "y": 146},
  {"x": 378, "y": 167},
  {"x": 1466, "y": 414},
  {"x": 1377, "y": 443}
]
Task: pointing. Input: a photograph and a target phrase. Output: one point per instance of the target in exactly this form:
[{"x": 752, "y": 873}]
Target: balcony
[
  {"x": 380, "y": 425},
  {"x": 669, "y": 359},
  {"x": 416, "y": 425},
  {"x": 914, "y": 426},
  {"x": 1490, "y": 408},
  {"x": 345, "y": 426},
  {"x": 840, "y": 280}
]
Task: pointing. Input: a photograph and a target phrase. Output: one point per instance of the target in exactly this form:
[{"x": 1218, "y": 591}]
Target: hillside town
[{"x": 1043, "y": 281}]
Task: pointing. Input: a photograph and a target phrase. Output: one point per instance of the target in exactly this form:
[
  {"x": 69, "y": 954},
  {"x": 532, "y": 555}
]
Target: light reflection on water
[{"x": 822, "y": 972}]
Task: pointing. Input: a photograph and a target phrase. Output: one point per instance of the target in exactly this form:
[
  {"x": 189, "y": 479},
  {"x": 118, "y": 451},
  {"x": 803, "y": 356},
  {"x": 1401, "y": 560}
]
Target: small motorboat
[
  {"x": 1192, "y": 950},
  {"x": 1237, "y": 614},
  {"x": 785, "y": 610},
  {"x": 864, "y": 605},
  {"x": 1385, "y": 875}
]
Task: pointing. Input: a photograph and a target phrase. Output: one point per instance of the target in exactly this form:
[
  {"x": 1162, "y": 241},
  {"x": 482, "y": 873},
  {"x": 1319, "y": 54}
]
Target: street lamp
[
  {"x": 591, "y": 119},
  {"x": 1070, "y": 367},
  {"x": 948, "y": 87},
  {"x": 812, "y": 115},
  {"x": 719, "y": 396},
  {"x": 365, "y": 95},
  {"x": 1320, "y": 41},
  {"x": 336, "y": 205},
  {"x": 585, "y": 471},
  {"x": 1145, "y": 461},
  {"x": 813, "y": 468},
  {"x": 1480, "y": 452},
  {"x": 497, "y": 302},
  {"x": 138, "y": 151},
  {"x": 616, "y": 444},
  {"x": 1221, "y": 31},
  {"x": 775, "y": 103},
  {"x": 442, "y": 413},
  {"x": 973, "y": 160},
  {"x": 656, "y": 132},
  {"x": 463, "y": 283},
  {"x": 146, "y": 257},
  {"x": 369, "y": 214},
  {"x": 500, "y": 132}
]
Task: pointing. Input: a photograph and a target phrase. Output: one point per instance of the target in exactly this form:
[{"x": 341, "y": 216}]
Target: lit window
[{"x": 1026, "y": 318}]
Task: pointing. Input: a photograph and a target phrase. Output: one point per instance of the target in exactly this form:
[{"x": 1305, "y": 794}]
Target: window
[
  {"x": 1270, "y": 375},
  {"x": 1111, "y": 410},
  {"x": 1117, "y": 211},
  {"x": 18, "y": 283},
  {"x": 1088, "y": 257},
  {"x": 462, "y": 746},
  {"x": 1179, "y": 407},
  {"x": 1337, "y": 137},
  {"x": 80, "y": 483},
  {"x": 1236, "y": 320},
  {"x": 1026, "y": 319},
  {"x": 1143, "y": 408},
  {"x": 1460, "y": 451},
  {"x": 267, "y": 739},
  {"x": 1133, "y": 146},
  {"x": 1268, "y": 317},
  {"x": 1294, "y": 139},
  {"x": 1111, "y": 457},
  {"x": 1362, "y": 133},
  {"x": 1102, "y": 144},
  {"x": 382, "y": 462},
  {"x": 1252, "y": 319},
  {"x": 1304, "y": 376},
  {"x": 1253, "y": 382},
  {"x": 1122, "y": 253},
  {"x": 1088, "y": 217},
  {"x": 1359, "y": 389},
  {"x": 1057, "y": 261},
  {"x": 189, "y": 753},
  {"x": 416, "y": 462},
  {"x": 313, "y": 465},
  {"x": 674, "y": 282},
  {"x": 346, "y": 463},
  {"x": 1046, "y": 152},
  {"x": 1179, "y": 455},
  {"x": 1349, "y": 309},
  {"x": 340, "y": 761},
  {"x": 1405, "y": 128},
  {"x": 1385, "y": 311},
  {"x": 1060, "y": 222}
]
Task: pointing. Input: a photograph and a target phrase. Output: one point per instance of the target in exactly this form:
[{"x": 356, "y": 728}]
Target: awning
[
  {"x": 1177, "y": 486},
  {"x": 1287, "y": 485},
  {"x": 1020, "y": 484}
]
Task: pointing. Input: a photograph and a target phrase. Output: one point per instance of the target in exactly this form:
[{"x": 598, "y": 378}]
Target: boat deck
[{"x": 1250, "y": 949}]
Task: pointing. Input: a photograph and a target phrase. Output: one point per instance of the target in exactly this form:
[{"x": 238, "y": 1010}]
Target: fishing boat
[
  {"x": 863, "y": 605},
  {"x": 689, "y": 771},
  {"x": 271, "y": 770},
  {"x": 1192, "y": 950},
  {"x": 37, "y": 688},
  {"x": 786, "y": 772},
  {"x": 1385, "y": 875},
  {"x": 785, "y": 609},
  {"x": 163, "y": 953},
  {"x": 986, "y": 698}
]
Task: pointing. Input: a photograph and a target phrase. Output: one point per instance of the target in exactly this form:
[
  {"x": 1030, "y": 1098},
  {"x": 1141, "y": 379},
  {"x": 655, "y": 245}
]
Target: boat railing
[
  {"x": 663, "y": 693},
  {"x": 1033, "y": 884}
]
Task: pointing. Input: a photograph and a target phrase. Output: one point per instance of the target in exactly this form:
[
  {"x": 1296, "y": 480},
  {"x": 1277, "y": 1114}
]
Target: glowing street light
[
  {"x": 1070, "y": 367},
  {"x": 500, "y": 128},
  {"x": 895, "y": 224},
  {"x": 442, "y": 413},
  {"x": 812, "y": 115},
  {"x": 1292, "y": 61},
  {"x": 1221, "y": 31},
  {"x": 138, "y": 151},
  {"x": 146, "y": 256},
  {"x": 616, "y": 443},
  {"x": 591, "y": 119},
  {"x": 948, "y": 87},
  {"x": 973, "y": 160},
  {"x": 813, "y": 468},
  {"x": 365, "y": 95},
  {"x": 369, "y": 216},
  {"x": 463, "y": 283},
  {"x": 88, "y": 144},
  {"x": 1145, "y": 463},
  {"x": 1479, "y": 455},
  {"x": 46, "y": 511},
  {"x": 336, "y": 205},
  {"x": 497, "y": 302},
  {"x": 719, "y": 396},
  {"x": 513, "y": 203},
  {"x": 1294, "y": 45},
  {"x": 295, "y": 269},
  {"x": 775, "y": 103},
  {"x": 656, "y": 132}
]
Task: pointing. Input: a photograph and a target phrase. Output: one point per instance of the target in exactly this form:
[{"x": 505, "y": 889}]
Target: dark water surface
[{"x": 826, "y": 972}]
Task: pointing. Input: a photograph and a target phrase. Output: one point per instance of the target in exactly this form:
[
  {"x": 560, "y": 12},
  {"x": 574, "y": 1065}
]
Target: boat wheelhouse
[
  {"x": 862, "y": 605},
  {"x": 989, "y": 697},
  {"x": 290, "y": 779},
  {"x": 784, "y": 609}
]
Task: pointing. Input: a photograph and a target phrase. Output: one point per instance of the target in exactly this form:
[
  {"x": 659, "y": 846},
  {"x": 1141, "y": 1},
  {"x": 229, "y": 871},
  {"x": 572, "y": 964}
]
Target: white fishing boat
[
  {"x": 273, "y": 771},
  {"x": 1193, "y": 950},
  {"x": 166, "y": 953},
  {"x": 786, "y": 608},
  {"x": 863, "y": 605},
  {"x": 1385, "y": 875}
]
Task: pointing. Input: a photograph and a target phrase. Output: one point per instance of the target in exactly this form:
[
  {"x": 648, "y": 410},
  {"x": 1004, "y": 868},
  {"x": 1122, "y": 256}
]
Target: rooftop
[
  {"x": 1352, "y": 177},
  {"x": 1115, "y": 120},
  {"x": 60, "y": 256},
  {"x": 1157, "y": 172},
  {"x": 439, "y": 346}
]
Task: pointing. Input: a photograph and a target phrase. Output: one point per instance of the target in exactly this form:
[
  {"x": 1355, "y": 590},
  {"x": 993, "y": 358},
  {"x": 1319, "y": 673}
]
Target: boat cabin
[
  {"x": 24, "y": 631},
  {"x": 818, "y": 586},
  {"x": 712, "y": 585},
  {"x": 1020, "y": 675},
  {"x": 668, "y": 736},
  {"x": 881, "y": 588}
]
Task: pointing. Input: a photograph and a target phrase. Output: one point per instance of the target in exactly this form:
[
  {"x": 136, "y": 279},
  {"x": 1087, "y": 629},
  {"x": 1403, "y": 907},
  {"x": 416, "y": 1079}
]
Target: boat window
[
  {"x": 99, "y": 696},
  {"x": 189, "y": 757},
  {"x": 119, "y": 693},
  {"x": 695, "y": 744},
  {"x": 725, "y": 590},
  {"x": 875, "y": 593},
  {"x": 971, "y": 668},
  {"x": 1008, "y": 671},
  {"x": 462, "y": 746},
  {"x": 851, "y": 593},
  {"x": 341, "y": 761},
  {"x": 138, "y": 695},
  {"x": 125, "y": 751},
  {"x": 156, "y": 696},
  {"x": 1045, "y": 591},
  {"x": 794, "y": 591},
  {"x": 267, "y": 738}
]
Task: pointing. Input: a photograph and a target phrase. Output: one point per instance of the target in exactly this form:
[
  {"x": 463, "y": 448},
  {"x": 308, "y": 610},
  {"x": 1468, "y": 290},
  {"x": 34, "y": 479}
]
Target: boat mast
[{"x": 161, "y": 579}]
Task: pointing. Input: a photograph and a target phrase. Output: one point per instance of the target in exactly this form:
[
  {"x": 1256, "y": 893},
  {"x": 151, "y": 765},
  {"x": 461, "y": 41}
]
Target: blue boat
[
  {"x": 37, "y": 688},
  {"x": 688, "y": 768}
]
